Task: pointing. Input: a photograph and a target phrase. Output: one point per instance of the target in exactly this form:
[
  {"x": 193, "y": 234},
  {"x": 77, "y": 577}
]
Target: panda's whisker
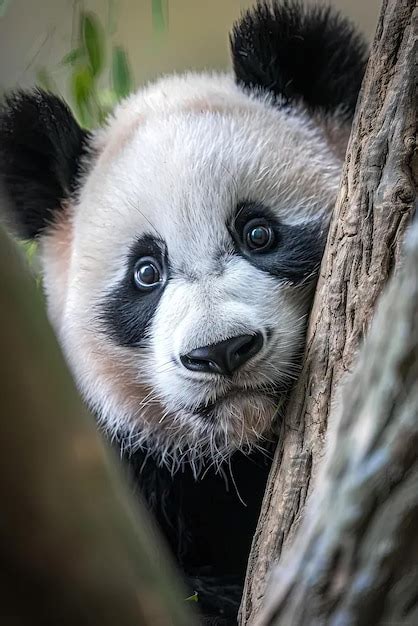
[
  {"x": 136, "y": 208},
  {"x": 150, "y": 395},
  {"x": 235, "y": 484},
  {"x": 170, "y": 367}
]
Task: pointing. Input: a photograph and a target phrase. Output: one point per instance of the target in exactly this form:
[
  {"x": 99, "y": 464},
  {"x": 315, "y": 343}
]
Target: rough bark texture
[
  {"x": 74, "y": 550},
  {"x": 374, "y": 207},
  {"x": 354, "y": 559}
]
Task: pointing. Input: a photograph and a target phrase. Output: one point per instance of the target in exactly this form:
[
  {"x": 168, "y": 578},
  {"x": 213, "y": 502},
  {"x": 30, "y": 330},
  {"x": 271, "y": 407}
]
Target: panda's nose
[{"x": 224, "y": 357}]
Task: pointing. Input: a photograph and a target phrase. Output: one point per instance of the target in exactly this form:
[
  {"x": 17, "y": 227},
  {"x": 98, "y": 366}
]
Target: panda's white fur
[{"x": 174, "y": 160}]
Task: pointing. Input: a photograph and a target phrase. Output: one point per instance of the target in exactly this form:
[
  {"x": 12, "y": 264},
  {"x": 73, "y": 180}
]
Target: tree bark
[
  {"x": 375, "y": 204},
  {"x": 74, "y": 549},
  {"x": 354, "y": 559}
]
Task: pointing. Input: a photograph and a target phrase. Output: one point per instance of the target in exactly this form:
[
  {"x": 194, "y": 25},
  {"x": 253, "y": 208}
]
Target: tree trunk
[
  {"x": 374, "y": 207},
  {"x": 354, "y": 559},
  {"x": 74, "y": 549}
]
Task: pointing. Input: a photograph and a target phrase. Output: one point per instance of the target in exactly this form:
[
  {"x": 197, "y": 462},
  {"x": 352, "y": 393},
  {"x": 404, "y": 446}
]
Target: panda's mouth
[{"x": 209, "y": 409}]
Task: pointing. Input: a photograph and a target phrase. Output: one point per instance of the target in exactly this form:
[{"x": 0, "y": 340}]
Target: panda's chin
[
  {"x": 208, "y": 436},
  {"x": 236, "y": 399}
]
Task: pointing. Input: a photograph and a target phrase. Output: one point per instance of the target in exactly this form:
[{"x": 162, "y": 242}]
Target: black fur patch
[
  {"x": 127, "y": 312},
  {"x": 297, "y": 251},
  {"x": 40, "y": 149},
  {"x": 308, "y": 53},
  {"x": 206, "y": 524}
]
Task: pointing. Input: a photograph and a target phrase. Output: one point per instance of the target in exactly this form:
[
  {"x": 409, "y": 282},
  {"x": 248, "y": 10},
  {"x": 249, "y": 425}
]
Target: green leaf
[
  {"x": 82, "y": 83},
  {"x": 30, "y": 248},
  {"x": 122, "y": 82},
  {"x": 193, "y": 598},
  {"x": 93, "y": 40},
  {"x": 4, "y": 4},
  {"x": 106, "y": 101},
  {"x": 112, "y": 17},
  {"x": 160, "y": 15},
  {"x": 82, "y": 88},
  {"x": 73, "y": 56}
]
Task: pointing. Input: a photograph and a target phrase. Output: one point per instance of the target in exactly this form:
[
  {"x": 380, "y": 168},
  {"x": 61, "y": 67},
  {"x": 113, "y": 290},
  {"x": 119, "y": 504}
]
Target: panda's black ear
[
  {"x": 300, "y": 53},
  {"x": 41, "y": 146}
]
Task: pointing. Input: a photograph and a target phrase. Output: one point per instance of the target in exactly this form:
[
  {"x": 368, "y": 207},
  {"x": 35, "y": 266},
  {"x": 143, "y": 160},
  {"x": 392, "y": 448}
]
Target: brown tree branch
[
  {"x": 354, "y": 559},
  {"x": 374, "y": 206},
  {"x": 74, "y": 550}
]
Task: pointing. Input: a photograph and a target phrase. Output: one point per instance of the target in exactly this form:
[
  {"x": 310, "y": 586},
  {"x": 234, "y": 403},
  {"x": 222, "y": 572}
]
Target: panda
[{"x": 180, "y": 245}]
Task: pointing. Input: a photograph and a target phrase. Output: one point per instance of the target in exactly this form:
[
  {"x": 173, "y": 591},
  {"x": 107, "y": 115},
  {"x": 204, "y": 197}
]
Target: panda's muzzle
[{"x": 224, "y": 357}]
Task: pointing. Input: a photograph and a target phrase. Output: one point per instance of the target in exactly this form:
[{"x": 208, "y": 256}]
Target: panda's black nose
[{"x": 224, "y": 357}]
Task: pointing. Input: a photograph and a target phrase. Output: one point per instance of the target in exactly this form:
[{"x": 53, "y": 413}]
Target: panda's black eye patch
[
  {"x": 290, "y": 252},
  {"x": 127, "y": 310}
]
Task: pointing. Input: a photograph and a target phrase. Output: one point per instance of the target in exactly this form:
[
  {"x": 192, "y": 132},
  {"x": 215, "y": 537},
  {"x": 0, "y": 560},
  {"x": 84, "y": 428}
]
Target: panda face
[
  {"x": 192, "y": 253},
  {"x": 180, "y": 244}
]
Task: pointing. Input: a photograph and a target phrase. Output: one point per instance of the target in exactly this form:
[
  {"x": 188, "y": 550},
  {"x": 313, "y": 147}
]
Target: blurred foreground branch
[{"x": 74, "y": 549}]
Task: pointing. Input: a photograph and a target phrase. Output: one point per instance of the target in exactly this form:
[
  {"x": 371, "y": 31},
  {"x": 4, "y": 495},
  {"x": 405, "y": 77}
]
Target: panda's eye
[
  {"x": 258, "y": 235},
  {"x": 147, "y": 273}
]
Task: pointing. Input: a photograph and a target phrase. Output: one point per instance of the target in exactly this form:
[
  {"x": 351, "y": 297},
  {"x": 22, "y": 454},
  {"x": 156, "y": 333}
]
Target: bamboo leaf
[
  {"x": 122, "y": 82},
  {"x": 93, "y": 40},
  {"x": 112, "y": 18},
  {"x": 106, "y": 101},
  {"x": 4, "y": 5},
  {"x": 82, "y": 88},
  {"x": 160, "y": 15},
  {"x": 73, "y": 56},
  {"x": 193, "y": 598}
]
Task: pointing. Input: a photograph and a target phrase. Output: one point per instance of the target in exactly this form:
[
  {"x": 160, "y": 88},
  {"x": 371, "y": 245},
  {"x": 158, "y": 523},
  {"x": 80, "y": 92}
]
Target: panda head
[{"x": 180, "y": 243}]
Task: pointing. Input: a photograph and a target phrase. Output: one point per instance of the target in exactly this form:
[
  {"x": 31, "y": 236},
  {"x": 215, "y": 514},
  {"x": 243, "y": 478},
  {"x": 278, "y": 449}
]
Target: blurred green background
[{"x": 159, "y": 36}]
